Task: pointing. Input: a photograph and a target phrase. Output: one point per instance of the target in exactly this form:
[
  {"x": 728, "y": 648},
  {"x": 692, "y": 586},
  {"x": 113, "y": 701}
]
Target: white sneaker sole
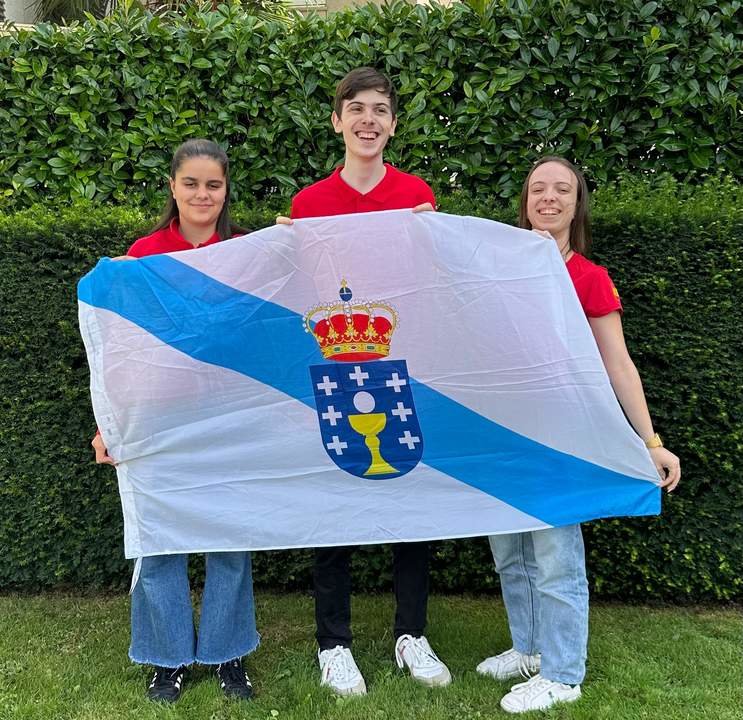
[
  {"x": 513, "y": 675},
  {"x": 514, "y": 707},
  {"x": 358, "y": 689},
  {"x": 441, "y": 680}
]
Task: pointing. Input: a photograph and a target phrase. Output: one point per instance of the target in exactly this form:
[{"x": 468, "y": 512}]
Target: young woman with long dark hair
[{"x": 196, "y": 214}]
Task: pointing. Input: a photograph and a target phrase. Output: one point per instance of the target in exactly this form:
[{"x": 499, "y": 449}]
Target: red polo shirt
[
  {"x": 594, "y": 287},
  {"x": 167, "y": 240},
  {"x": 333, "y": 196}
]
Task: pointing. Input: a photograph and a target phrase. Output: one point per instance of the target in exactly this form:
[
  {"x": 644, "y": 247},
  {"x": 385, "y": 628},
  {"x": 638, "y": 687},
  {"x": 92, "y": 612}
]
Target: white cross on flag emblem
[{"x": 367, "y": 417}]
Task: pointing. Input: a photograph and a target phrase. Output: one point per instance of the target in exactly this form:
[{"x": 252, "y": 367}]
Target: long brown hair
[
  {"x": 199, "y": 147},
  {"x": 580, "y": 227}
]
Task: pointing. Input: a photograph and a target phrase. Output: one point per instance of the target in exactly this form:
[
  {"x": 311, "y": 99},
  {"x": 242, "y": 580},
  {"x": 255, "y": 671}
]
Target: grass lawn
[{"x": 64, "y": 658}]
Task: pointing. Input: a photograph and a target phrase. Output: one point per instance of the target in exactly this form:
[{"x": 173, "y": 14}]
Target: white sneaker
[
  {"x": 421, "y": 661},
  {"x": 339, "y": 671},
  {"x": 510, "y": 664},
  {"x": 538, "y": 694}
]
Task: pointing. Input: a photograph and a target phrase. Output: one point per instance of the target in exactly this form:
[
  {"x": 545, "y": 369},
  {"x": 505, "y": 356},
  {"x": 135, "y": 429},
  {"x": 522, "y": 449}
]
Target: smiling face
[
  {"x": 199, "y": 189},
  {"x": 552, "y": 198},
  {"x": 366, "y": 122}
]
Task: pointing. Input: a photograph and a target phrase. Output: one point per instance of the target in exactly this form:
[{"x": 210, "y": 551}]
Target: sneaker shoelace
[
  {"x": 339, "y": 664},
  {"x": 527, "y": 666},
  {"x": 232, "y": 673},
  {"x": 534, "y": 686},
  {"x": 164, "y": 677},
  {"x": 423, "y": 655}
]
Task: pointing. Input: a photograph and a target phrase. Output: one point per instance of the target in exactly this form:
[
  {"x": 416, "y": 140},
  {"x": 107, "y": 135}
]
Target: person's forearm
[{"x": 625, "y": 380}]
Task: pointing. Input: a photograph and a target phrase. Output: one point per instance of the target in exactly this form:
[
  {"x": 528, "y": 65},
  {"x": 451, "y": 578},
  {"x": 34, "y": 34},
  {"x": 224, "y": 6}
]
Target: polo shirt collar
[
  {"x": 176, "y": 238},
  {"x": 379, "y": 193}
]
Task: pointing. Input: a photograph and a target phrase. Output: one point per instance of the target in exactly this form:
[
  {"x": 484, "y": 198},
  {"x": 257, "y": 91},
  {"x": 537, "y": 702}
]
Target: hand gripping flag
[{"x": 356, "y": 379}]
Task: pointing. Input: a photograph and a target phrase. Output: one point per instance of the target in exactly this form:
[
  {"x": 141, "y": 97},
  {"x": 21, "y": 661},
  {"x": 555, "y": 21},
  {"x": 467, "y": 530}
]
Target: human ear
[{"x": 337, "y": 122}]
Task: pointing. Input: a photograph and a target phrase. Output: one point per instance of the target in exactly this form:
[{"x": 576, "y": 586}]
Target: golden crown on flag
[{"x": 352, "y": 331}]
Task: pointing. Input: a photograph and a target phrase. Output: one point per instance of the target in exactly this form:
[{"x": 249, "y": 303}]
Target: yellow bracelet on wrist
[{"x": 654, "y": 442}]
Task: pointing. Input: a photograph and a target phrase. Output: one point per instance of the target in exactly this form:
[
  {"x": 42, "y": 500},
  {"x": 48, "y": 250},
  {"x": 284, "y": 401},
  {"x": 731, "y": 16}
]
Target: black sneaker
[
  {"x": 234, "y": 680},
  {"x": 166, "y": 685}
]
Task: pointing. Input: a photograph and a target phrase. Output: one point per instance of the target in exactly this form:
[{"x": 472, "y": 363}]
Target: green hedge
[
  {"x": 95, "y": 111},
  {"x": 675, "y": 254}
]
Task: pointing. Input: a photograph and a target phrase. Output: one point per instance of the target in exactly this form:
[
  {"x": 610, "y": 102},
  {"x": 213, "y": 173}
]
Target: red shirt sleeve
[
  {"x": 140, "y": 248},
  {"x": 297, "y": 210},
  {"x": 599, "y": 296},
  {"x": 428, "y": 196}
]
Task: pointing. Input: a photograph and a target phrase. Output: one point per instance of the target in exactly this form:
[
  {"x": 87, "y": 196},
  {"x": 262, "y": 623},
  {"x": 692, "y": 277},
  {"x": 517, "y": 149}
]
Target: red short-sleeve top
[
  {"x": 167, "y": 240},
  {"x": 597, "y": 294},
  {"x": 397, "y": 190}
]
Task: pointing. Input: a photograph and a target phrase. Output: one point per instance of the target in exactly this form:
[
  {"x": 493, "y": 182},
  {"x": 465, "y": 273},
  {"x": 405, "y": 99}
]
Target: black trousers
[{"x": 333, "y": 592}]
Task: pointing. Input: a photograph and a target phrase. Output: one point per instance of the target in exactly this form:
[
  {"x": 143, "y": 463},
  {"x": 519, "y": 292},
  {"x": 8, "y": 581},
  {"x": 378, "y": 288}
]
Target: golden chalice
[{"x": 370, "y": 425}]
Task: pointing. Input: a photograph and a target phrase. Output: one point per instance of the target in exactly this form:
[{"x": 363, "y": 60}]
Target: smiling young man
[{"x": 365, "y": 113}]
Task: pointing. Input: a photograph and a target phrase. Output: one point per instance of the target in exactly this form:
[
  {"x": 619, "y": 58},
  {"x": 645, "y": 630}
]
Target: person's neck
[
  {"x": 563, "y": 245},
  {"x": 363, "y": 175},
  {"x": 195, "y": 234}
]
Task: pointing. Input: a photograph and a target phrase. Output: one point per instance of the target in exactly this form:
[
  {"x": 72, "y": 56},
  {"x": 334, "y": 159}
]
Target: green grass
[{"x": 64, "y": 658}]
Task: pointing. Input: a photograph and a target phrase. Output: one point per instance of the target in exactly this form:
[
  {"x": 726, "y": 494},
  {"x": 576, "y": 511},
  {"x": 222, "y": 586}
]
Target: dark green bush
[
  {"x": 95, "y": 111},
  {"x": 675, "y": 254}
]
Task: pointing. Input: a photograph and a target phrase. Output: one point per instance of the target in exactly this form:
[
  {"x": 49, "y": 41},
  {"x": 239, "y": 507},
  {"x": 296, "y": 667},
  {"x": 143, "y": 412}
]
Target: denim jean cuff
[
  {"x": 562, "y": 678},
  {"x": 158, "y": 662},
  {"x": 218, "y": 659}
]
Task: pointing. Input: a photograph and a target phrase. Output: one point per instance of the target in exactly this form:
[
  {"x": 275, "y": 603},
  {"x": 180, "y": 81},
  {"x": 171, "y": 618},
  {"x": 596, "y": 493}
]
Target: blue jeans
[
  {"x": 162, "y": 616},
  {"x": 545, "y": 591}
]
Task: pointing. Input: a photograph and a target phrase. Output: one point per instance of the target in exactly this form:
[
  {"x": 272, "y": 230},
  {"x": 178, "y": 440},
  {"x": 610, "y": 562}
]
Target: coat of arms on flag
[{"x": 365, "y": 405}]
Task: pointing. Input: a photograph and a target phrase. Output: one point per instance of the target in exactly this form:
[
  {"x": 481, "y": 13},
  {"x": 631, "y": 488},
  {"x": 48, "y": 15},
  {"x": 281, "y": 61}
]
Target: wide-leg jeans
[
  {"x": 162, "y": 616},
  {"x": 545, "y": 591}
]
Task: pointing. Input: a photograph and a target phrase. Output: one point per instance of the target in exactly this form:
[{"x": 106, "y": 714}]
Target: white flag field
[{"x": 384, "y": 377}]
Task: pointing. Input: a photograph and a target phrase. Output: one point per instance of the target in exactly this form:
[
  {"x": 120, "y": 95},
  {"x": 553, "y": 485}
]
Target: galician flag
[{"x": 358, "y": 379}]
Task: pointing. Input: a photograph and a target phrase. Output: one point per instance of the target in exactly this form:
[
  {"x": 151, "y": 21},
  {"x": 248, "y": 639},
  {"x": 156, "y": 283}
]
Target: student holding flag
[
  {"x": 542, "y": 573},
  {"x": 365, "y": 113},
  {"x": 196, "y": 214}
]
